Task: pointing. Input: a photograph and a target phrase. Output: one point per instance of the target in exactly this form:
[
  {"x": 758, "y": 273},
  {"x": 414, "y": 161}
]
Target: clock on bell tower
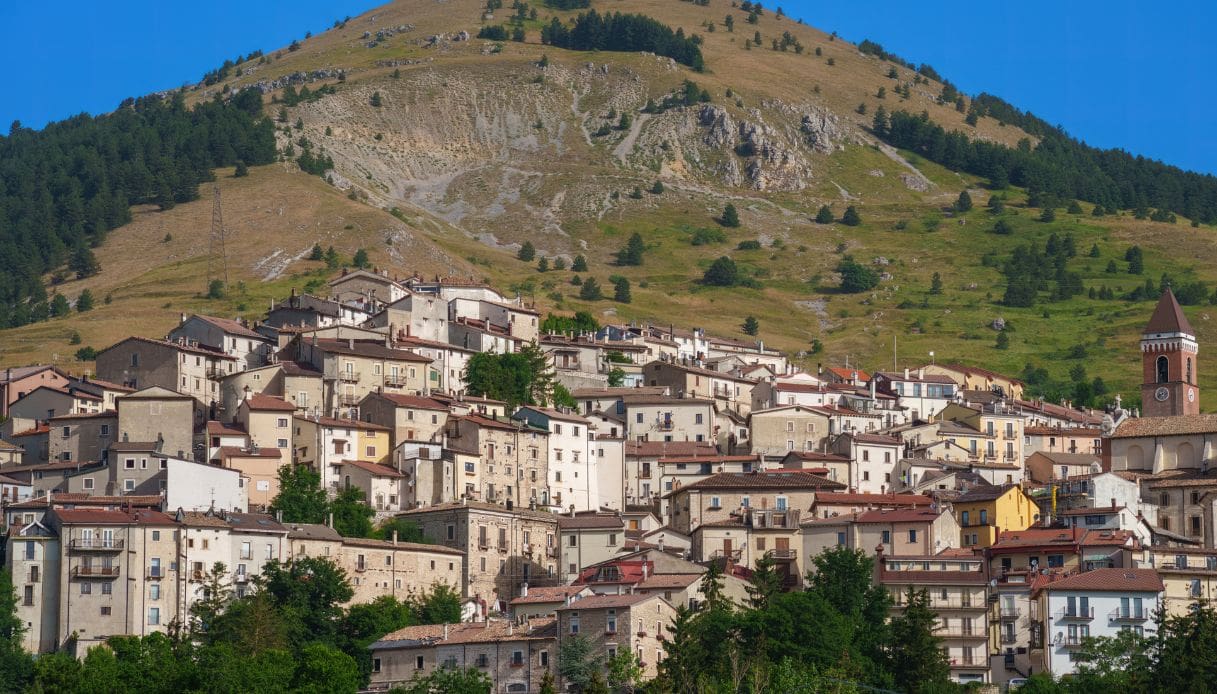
[{"x": 1168, "y": 362}]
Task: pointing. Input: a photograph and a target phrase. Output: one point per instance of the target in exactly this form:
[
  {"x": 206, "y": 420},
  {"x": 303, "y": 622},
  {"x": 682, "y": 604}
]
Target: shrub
[
  {"x": 748, "y": 246},
  {"x": 851, "y": 217},
  {"x": 730, "y": 217},
  {"x": 824, "y": 216},
  {"x": 856, "y": 277},
  {"x": 722, "y": 273}
]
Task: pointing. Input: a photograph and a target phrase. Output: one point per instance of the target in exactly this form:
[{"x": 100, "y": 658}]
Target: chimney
[
  {"x": 445, "y": 632},
  {"x": 182, "y": 318},
  {"x": 394, "y": 537},
  {"x": 906, "y": 373},
  {"x": 524, "y": 589},
  {"x": 921, "y": 373},
  {"x": 329, "y": 522}
]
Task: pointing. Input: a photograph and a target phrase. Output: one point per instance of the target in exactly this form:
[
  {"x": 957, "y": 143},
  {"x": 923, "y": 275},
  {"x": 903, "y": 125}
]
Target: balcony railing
[
  {"x": 733, "y": 555},
  {"x": 1009, "y": 612},
  {"x": 782, "y": 554},
  {"x": 664, "y": 424},
  {"x": 102, "y": 544},
  {"x": 348, "y": 399},
  {"x": 1071, "y": 641},
  {"x": 156, "y": 573},
  {"x": 773, "y": 518},
  {"x": 971, "y": 661},
  {"x": 958, "y": 604},
  {"x": 348, "y": 376},
  {"x": 551, "y": 552},
  {"x": 395, "y": 380},
  {"x": 241, "y": 578},
  {"x": 1120, "y": 615},
  {"x": 95, "y": 571},
  {"x": 1009, "y": 638},
  {"x": 961, "y": 633},
  {"x": 1066, "y": 615}
]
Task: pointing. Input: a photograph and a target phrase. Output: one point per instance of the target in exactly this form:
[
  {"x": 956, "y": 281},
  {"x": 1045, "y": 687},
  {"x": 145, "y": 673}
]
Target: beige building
[
  {"x": 634, "y": 622},
  {"x": 505, "y": 547},
  {"x": 182, "y": 366},
  {"x": 299, "y": 384},
  {"x": 366, "y": 286},
  {"x": 352, "y": 368},
  {"x": 1001, "y": 425},
  {"x": 380, "y": 484},
  {"x": 587, "y": 538},
  {"x": 1190, "y": 576},
  {"x": 514, "y": 463},
  {"x": 1046, "y": 466},
  {"x": 267, "y": 420},
  {"x": 259, "y": 468},
  {"x": 410, "y": 417},
  {"x": 974, "y": 378},
  {"x": 324, "y": 443},
  {"x": 903, "y": 532},
  {"x": 718, "y": 496},
  {"x": 81, "y": 437},
  {"x": 1079, "y": 440},
  {"x": 159, "y": 416},
  {"x": 780, "y": 430},
  {"x": 514, "y": 657},
  {"x": 753, "y": 535},
  {"x": 400, "y": 569},
  {"x": 685, "y": 381},
  {"x": 16, "y": 381}
]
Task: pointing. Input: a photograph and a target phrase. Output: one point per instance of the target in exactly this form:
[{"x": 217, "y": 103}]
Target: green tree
[
  {"x": 1048, "y": 215},
  {"x": 86, "y": 354},
  {"x": 301, "y": 498},
  {"x": 936, "y": 284},
  {"x": 407, "y": 531},
  {"x": 241, "y": 170},
  {"x": 215, "y": 289},
  {"x": 964, "y": 202},
  {"x": 851, "y": 217},
  {"x": 766, "y": 582},
  {"x": 352, "y": 515},
  {"x": 632, "y": 253},
  {"x": 624, "y": 672},
  {"x": 723, "y": 272},
  {"x": 450, "y": 681},
  {"x": 616, "y": 377},
  {"x": 919, "y": 663},
  {"x": 730, "y": 217},
  {"x": 331, "y": 258},
  {"x": 361, "y": 259},
  {"x": 624, "y": 122},
  {"x": 547, "y": 683},
  {"x": 83, "y": 262},
  {"x": 1003, "y": 340},
  {"x": 523, "y": 377},
  {"x": 1136, "y": 260},
  {"x": 441, "y": 604},
  {"x": 215, "y": 594},
  {"x": 1003, "y": 227},
  {"x": 751, "y": 326},
  {"x": 375, "y": 101},
  {"x": 309, "y": 593},
  {"x": 543, "y": 264},
  {"x": 559, "y": 263},
  {"x": 580, "y": 264},
  {"x": 16, "y": 666},
  {"x": 317, "y": 253},
  {"x": 527, "y": 252},
  {"x": 59, "y": 306},
  {"x": 576, "y": 663},
  {"x": 824, "y": 216},
  {"x": 84, "y": 302},
  {"x": 590, "y": 291},
  {"x": 621, "y": 290},
  {"x": 324, "y": 669},
  {"x": 657, "y": 188},
  {"x": 856, "y": 277}
]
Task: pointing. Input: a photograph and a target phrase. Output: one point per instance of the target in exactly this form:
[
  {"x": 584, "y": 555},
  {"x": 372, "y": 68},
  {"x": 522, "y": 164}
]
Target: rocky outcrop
[{"x": 268, "y": 86}]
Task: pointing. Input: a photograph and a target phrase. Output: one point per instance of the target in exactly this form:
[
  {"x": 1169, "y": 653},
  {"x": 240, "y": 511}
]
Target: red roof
[
  {"x": 548, "y": 594},
  {"x": 1130, "y": 580},
  {"x": 873, "y": 499},
  {"x": 848, "y": 374},
  {"x": 593, "y": 602},
  {"x": 231, "y": 327},
  {"x": 215, "y": 428},
  {"x": 374, "y": 468},
  {"x": 1168, "y": 317},
  {"x": 258, "y": 401},
  {"x": 238, "y": 452},
  {"x": 341, "y": 423},
  {"x": 899, "y": 516},
  {"x": 415, "y": 401}
]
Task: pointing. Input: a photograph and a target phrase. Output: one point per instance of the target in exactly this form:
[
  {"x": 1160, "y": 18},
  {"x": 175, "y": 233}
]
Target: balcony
[
  {"x": 774, "y": 518},
  {"x": 348, "y": 376},
  {"x": 100, "y": 545},
  {"x": 664, "y": 424},
  {"x": 95, "y": 571},
  {"x": 1070, "y": 641},
  {"x": 551, "y": 552},
  {"x": 969, "y": 662},
  {"x": 360, "y": 568},
  {"x": 1065, "y": 615},
  {"x": 241, "y": 578},
  {"x": 155, "y": 573},
  {"x": 733, "y": 554},
  {"x": 1009, "y": 638},
  {"x": 216, "y": 372},
  {"x": 348, "y": 400},
  {"x": 395, "y": 380},
  {"x": 940, "y": 604},
  {"x": 1009, "y": 612},
  {"x": 961, "y": 634},
  {"x": 1128, "y": 616},
  {"x": 783, "y": 554}
]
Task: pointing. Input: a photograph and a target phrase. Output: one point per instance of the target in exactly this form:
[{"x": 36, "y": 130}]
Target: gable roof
[
  {"x": 879, "y": 499},
  {"x": 776, "y": 479},
  {"x": 179, "y": 346},
  {"x": 1168, "y": 317},
  {"x": 1137, "y": 427},
  {"x": 374, "y": 349},
  {"x": 373, "y": 468},
  {"x": 258, "y": 401},
  {"x": 231, "y": 327},
  {"x": 418, "y": 402},
  {"x": 1131, "y": 580},
  {"x": 548, "y": 594}
]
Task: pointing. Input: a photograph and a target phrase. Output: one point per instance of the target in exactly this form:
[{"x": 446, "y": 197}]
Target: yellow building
[
  {"x": 323, "y": 443},
  {"x": 984, "y": 512}
]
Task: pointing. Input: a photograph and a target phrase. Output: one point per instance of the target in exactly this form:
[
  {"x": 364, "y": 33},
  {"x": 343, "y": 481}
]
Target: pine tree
[
  {"x": 879, "y": 124},
  {"x": 751, "y": 326},
  {"x": 580, "y": 264},
  {"x": 766, "y": 582},
  {"x": 375, "y": 100},
  {"x": 964, "y": 203},
  {"x": 723, "y": 272},
  {"x": 590, "y": 291},
  {"x": 657, "y": 188},
  {"x": 543, "y": 264},
  {"x": 241, "y": 171},
  {"x": 851, "y": 217},
  {"x": 361, "y": 259},
  {"x": 919, "y": 663},
  {"x": 559, "y": 263},
  {"x": 84, "y": 302},
  {"x": 936, "y": 284},
  {"x": 1048, "y": 215},
  {"x": 59, "y": 306},
  {"x": 527, "y": 252},
  {"x": 730, "y": 216},
  {"x": 824, "y": 216},
  {"x": 1094, "y": 251},
  {"x": 1003, "y": 227},
  {"x": 1003, "y": 340},
  {"x": 317, "y": 253},
  {"x": 632, "y": 253},
  {"x": 621, "y": 290}
]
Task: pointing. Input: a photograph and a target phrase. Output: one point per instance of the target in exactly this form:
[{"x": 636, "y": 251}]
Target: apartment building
[
  {"x": 1000, "y": 422},
  {"x": 354, "y": 367},
  {"x": 514, "y": 458},
  {"x": 410, "y": 417},
  {"x": 984, "y": 512},
  {"x": 900, "y": 532},
  {"x": 754, "y": 534},
  {"x": 232, "y": 337},
  {"x": 587, "y": 538},
  {"x": 16, "y": 381},
  {"x": 182, "y": 365},
  {"x": 775, "y": 432},
  {"x": 267, "y": 420},
  {"x": 687, "y": 381},
  {"x": 505, "y": 546},
  {"x": 718, "y": 496},
  {"x": 1189, "y": 577},
  {"x": 82, "y": 437},
  {"x": 632, "y": 622},
  {"x": 324, "y": 443},
  {"x": 571, "y": 473}
]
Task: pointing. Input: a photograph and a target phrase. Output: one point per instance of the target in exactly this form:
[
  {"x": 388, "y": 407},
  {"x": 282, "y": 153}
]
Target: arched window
[
  {"x": 1189, "y": 370},
  {"x": 1162, "y": 370}
]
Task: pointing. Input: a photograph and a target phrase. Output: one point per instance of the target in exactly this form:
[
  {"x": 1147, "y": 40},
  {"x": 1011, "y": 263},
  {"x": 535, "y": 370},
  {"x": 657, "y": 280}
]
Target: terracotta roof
[
  {"x": 815, "y": 456},
  {"x": 872, "y": 499},
  {"x": 594, "y": 602},
  {"x": 1168, "y": 317},
  {"x": 203, "y": 519},
  {"x": 920, "y": 515},
  {"x": 401, "y": 546},
  {"x": 85, "y": 415},
  {"x": 708, "y": 459},
  {"x": 254, "y": 521},
  {"x": 783, "y": 479},
  {"x": 590, "y": 521},
  {"x": 469, "y": 632},
  {"x": 374, "y": 468},
  {"x": 1069, "y": 458},
  {"x": 838, "y": 410},
  {"x": 232, "y": 327},
  {"x": 370, "y": 348},
  {"x": 664, "y": 400},
  {"x": 76, "y": 499},
  {"x": 505, "y": 424},
  {"x": 481, "y": 507},
  {"x": 239, "y": 452},
  {"x": 1183, "y": 478},
  {"x": 215, "y": 428},
  {"x": 701, "y": 371},
  {"x": 416, "y": 401},
  {"x": 602, "y": 393},
  {"x": 553, "y": 413},
  {"x": 876, "y": 439},
  {"x": 312, "y": 531},
  {"x": 913, "y": 377},
  {"x": 667, "y": 581},
  {"x": 848, "y": 374},
  {"x": 548, "y": 594},
  {"x": 1137, "y": 427},
  {"x": 1087, "y": 432},
  {"x": 1100, "y": 511},
  {"x": 258, "y": 401},
  {"x": 295, "y": 368},
  {"x": 983, "y": 494},
  {"x": 6, "y": 446},
  {"x": 181, "y": 347},
  {"x": 96, "y": 516},
  {"x": 1130, "y": 580},
  {"x": 16, "y": 373}
]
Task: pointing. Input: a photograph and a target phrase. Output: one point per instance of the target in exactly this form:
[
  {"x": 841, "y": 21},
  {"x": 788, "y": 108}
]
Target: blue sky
[{"x": 1135, "y": 75}]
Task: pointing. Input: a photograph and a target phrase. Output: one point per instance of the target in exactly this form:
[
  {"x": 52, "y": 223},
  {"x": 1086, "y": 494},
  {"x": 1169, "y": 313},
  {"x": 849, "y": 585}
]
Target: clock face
[
  {"x": 1191, "y": 394},
  {"x": 1162, "y": 394}
]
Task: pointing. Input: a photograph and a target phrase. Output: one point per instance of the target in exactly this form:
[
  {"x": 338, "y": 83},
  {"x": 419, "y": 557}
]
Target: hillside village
[{"x": 1033, "y": 524}]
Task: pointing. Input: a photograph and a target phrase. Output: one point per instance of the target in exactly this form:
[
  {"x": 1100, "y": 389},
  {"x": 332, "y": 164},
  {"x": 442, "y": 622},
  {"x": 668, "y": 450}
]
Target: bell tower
[{"x": 1168, "y": 361}]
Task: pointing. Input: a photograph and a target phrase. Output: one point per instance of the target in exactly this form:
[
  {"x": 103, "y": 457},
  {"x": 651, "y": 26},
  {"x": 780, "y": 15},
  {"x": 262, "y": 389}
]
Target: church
[{"x": 1168, "y": 449}]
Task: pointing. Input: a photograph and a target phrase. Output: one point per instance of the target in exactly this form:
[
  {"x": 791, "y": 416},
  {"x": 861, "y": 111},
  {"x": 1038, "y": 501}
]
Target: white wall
[{"x": 198, "y": 487}]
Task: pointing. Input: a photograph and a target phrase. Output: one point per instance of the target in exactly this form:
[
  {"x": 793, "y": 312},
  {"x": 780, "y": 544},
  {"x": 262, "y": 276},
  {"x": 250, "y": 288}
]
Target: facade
[
  {"x": 182, "y": 365},
  {"x": 900, "y": 532},
  {"x": 324, "y": 443},
  {"x": 571, "y": 473},
  {"x": 634, "y": 622},
  {"x": 983, "y": 513},
  {"x": 1169, "y": 362},
  {"x": 586, "y": 539},
  {"x": 718, "y": 496},
  {"x": 15, "y": 382},
  {"x": 232, "y": 337},
  {"x": 410, "y": 417},
  {"x": 780, "y": 430},
  {"x": 514, "y": 463}
]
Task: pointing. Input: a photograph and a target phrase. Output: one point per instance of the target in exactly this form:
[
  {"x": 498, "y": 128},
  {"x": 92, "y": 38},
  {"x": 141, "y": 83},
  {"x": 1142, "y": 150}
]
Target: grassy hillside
[{"x": 476, "y": 148}]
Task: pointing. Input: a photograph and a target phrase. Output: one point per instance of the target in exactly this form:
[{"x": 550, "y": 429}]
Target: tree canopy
[
  {"x": 518, "y": 378},
  {"x": 593, "y": 31}
]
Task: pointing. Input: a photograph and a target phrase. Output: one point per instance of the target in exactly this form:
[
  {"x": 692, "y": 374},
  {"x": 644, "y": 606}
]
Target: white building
[
  {"x": 198, "y": 487},
  {"x": 1102, "y": 602},
  {"x": 572, "y": 471}
]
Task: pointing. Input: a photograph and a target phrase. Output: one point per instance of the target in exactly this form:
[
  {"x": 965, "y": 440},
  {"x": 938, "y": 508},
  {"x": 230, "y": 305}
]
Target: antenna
[{"x": 217, "y": 238}]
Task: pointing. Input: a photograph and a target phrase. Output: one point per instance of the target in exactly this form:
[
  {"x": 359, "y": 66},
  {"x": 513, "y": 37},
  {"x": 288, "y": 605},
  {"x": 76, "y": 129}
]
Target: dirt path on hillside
[{"x": 623, "y": 149}]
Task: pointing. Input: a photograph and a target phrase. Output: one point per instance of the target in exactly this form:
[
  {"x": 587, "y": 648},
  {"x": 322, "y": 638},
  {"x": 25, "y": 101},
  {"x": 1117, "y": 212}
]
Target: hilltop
[{"x": 477, "y": 146}]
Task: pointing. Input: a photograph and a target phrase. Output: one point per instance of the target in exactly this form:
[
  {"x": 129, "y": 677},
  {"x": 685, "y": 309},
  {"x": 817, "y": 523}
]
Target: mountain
[{"x": 443, "y": 153}]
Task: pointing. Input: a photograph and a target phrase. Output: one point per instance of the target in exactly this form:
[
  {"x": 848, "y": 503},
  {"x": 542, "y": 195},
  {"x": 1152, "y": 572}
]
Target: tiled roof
[
  {"x": 663, "y": 449},
  {"x": 848, "y": 374},
  {"x": 875, "y": 439},
  {"x": 403, "y": 546},
  {"x": 133, "y": 446},
  {"x": 254, "y": 521},
  {"x": 239, "y": 452},
  {"x": 178, "y": 346},
  {"x": 548, "y": 594},
  {"x": 815, "y": 456},
  {"x": 554, "y": 413},
  {"x": 17, "y": 373},
  {"x": 504, "y": 424},
  {"x": 710, "y": 459},
  {"x": 258, "y": 401},
  {"x": 872, "y": 499},
  {"x": 332, "y": 423},
  {"x": 899, "y": 516},
  {"x": 374, "y": 468},
  {"x": 594, "y": 602},
  {"x": 668, "y": 581},
  {"x": 84, "y": 415},
  {"x": 590, "y": 521},
  {"x": 1139, "y": 427},
  {"x": 312, "y": 531},
  {"x": 215, "y": 428},
  {"x": 1130, "y": 580},
  {"x": 418, "y": 402},
  {"x": 604, "y": 393},
  {"x": 983, "y": 494},
  {"x": 1069, "y": 458},
  {"x": 1168, "y": 316},
  {"x": 369, "y": 348},
  {"x": 296, "y": 368},
  {"x": 1075, "y": 432},
  {"x": 1183, "y": 478},
  {"x": 664, "y": 400},
  {"x": 480, "y": 507},
  {"x": 232, "y": 327},
  {"x": 469, "y": 632},
  {"x": 784, "y": 479}
]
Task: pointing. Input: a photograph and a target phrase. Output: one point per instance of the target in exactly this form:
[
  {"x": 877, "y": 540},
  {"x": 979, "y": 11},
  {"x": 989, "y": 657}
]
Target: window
[
  {"x": 574, "y": 622},
  {"x": 154, "y": 569},
  {"x": 715, "y": 502},
  {"x": 887, "y": 537},
  {"x": 129, "y": 463},
  {"x": 781, "y": 503},
  {"x": 1056, "y": 560},
  {"x": 611, "y": 622},
  {"x": 282, "y": 422},
  {"x": 574, "y": 540},
  {"x": 29, "y": 596},
  {"x": 154, "y": 591},
  {"x": 128, "y": 485},
  {"x": 88, "y": 483},
  {"x": 963, "y": 518},
  {"x": 912, "y": 536},
  {"x": 375, "y": 664},
  {"x": 86, "y": 588},
  {"x": 840, "y": 539},
  {"x": 371, "y": 451},
  {"x": 106, "y": 611},
  {"x": 154, "y": 616},
  {"x": 544, "y": 658},
  {"x": 246, "y": 550},
  {"x": 984, "y": 517},
  {"x": 418, "y": 663}
]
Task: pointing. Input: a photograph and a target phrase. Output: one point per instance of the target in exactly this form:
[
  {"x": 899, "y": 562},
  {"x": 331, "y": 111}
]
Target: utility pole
[{"x": 216, "y": 240}]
